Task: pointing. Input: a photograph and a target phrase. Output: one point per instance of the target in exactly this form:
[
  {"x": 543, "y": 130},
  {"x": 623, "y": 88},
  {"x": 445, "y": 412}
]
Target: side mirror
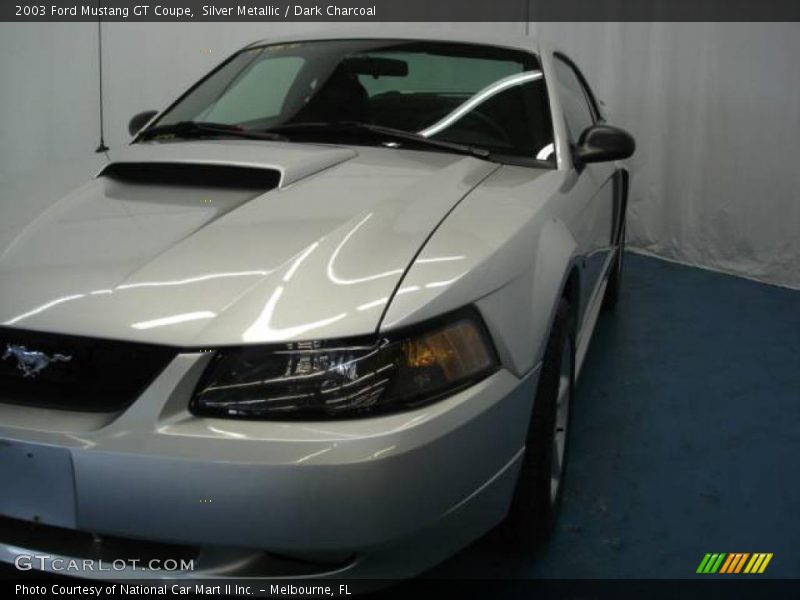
[
  {"x": 603, "y": 143},
  {"x": 140, "y": 120}
]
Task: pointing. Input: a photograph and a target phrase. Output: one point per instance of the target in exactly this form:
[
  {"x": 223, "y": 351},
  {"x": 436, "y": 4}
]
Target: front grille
[{"x": 76, "y": 373}]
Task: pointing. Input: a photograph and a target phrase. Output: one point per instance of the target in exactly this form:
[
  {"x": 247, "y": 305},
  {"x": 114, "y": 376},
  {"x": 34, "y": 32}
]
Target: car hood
[{"x": 185, "y": 262}]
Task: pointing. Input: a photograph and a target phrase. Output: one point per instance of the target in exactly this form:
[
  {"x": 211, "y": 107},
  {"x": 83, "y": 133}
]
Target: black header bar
[{"x": 399, "y": 10}]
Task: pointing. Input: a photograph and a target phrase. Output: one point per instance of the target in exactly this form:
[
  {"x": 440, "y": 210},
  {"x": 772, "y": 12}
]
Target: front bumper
[{"x": 383, "y": 497}]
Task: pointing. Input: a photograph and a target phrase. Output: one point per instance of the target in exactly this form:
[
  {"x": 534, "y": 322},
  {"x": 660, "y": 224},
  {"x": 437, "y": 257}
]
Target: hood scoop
[
  {"x": 193, "y": 175},
  {"x": 232, "y": 164}
]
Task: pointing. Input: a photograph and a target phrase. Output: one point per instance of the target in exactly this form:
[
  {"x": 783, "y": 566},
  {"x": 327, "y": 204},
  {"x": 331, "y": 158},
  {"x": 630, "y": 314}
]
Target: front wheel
[{"x": 541, "y": 480}]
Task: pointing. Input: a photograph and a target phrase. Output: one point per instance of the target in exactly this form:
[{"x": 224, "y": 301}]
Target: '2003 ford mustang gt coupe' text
[{"x": 321, "y": 317}]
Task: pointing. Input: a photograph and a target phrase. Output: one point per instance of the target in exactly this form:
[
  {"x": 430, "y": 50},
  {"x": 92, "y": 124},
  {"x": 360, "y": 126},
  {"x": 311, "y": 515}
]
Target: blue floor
[{"x": 686, "y": 435}]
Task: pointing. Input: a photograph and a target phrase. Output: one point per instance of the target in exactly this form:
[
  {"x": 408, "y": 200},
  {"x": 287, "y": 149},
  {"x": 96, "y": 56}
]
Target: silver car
[{"x": 321, "y": 318}]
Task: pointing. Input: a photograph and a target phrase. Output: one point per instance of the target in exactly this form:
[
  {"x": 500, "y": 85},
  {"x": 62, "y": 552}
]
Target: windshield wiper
[
  {"x": 348, "y": 127},
  {"x": 194, "y": 129}
]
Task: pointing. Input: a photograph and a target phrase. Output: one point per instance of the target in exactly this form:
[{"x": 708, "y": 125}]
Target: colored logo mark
[{"x": 736, "y": 562}]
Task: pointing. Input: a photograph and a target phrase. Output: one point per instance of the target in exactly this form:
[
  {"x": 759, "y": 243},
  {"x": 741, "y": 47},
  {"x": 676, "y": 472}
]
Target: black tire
[
  {"x": 535, "y": 504},
  {"x": 613, "y": 288}
]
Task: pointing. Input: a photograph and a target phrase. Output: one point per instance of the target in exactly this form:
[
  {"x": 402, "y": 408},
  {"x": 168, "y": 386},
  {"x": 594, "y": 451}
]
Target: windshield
[{"x": 482, "y": 96}]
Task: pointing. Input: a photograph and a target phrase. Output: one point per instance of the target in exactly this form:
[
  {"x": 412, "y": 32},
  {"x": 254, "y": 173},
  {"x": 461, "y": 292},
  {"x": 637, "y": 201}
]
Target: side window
[{"x": 577, "y": 110}]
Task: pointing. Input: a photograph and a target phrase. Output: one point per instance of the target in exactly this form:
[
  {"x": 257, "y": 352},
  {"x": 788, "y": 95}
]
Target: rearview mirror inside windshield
[{"x": 375, "y": 66}]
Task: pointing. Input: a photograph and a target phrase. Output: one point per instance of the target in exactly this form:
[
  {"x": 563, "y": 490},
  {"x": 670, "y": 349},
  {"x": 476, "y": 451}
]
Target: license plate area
[{"x": 37, "y": 483}]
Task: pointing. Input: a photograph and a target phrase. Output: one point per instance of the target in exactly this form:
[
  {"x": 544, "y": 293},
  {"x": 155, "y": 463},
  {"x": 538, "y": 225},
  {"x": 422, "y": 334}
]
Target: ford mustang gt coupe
[{"x": 322, "y": 317}]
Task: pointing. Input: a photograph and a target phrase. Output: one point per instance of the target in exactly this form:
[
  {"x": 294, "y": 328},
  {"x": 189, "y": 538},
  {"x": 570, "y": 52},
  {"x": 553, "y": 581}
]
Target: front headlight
[{"x": 328, "y": 380}]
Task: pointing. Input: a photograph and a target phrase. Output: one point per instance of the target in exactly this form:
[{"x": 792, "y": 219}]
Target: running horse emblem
[{"x": 32, "y": 362}]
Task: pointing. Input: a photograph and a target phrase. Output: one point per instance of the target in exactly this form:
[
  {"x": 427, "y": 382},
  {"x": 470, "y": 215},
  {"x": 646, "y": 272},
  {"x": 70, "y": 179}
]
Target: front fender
[
  {"x": 504, "y": 249},
  {"x": 554, "y": 257}
]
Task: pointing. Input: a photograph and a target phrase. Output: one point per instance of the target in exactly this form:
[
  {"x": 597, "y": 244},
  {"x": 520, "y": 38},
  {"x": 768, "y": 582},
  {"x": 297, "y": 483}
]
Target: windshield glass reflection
[{"x": 482, "y": 96}]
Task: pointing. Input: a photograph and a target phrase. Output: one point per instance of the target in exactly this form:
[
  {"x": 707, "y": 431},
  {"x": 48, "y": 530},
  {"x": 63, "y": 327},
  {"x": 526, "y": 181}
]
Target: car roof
[{"x": 517, "y": 42}]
